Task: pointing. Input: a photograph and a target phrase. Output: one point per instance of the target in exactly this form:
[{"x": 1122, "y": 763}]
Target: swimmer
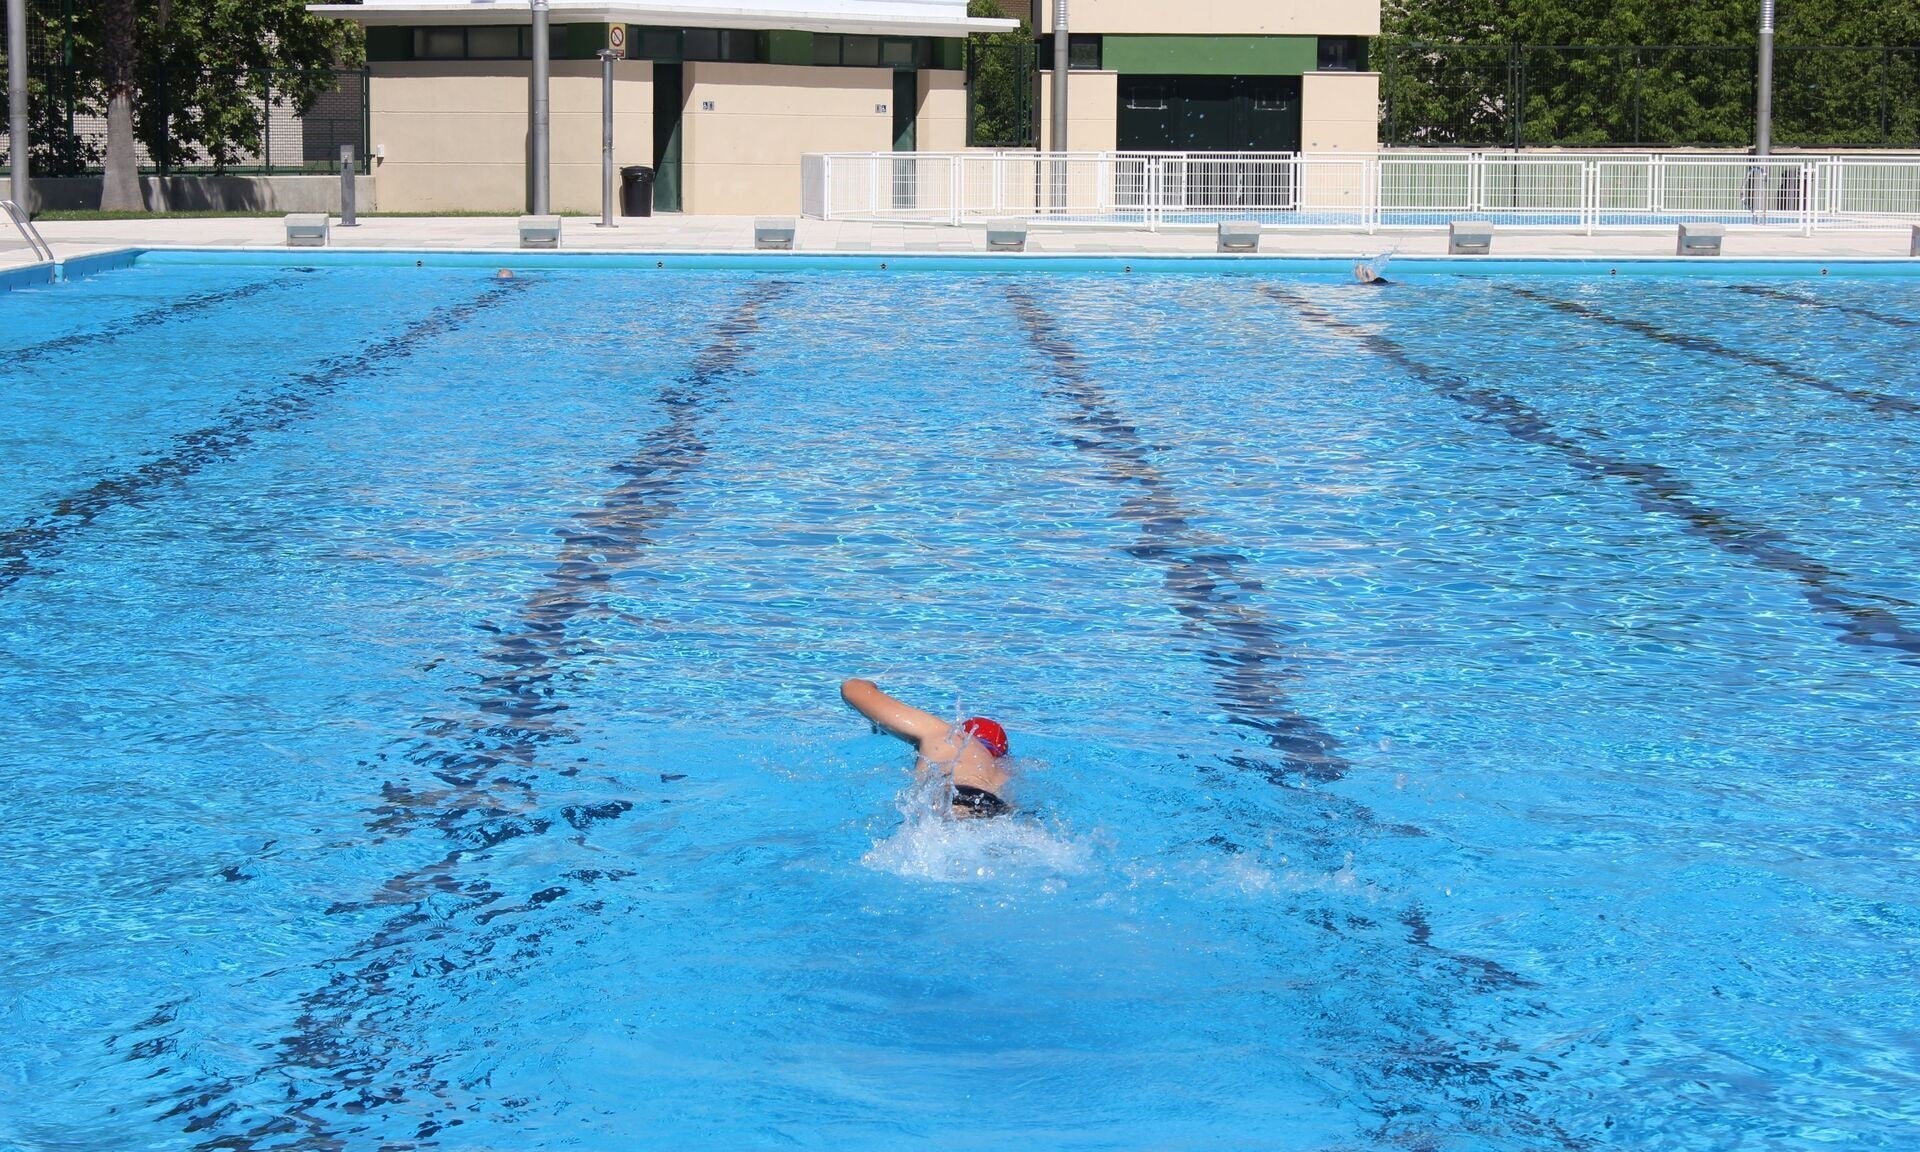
[
  {"x": 1364, "y": 273},
  {"x": 504, "y": 274},
  {"x": 968, "y": 754}
]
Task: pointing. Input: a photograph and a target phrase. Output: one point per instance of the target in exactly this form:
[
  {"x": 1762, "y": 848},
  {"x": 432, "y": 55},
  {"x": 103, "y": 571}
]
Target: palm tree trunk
[{"x": 120, "y": 190}]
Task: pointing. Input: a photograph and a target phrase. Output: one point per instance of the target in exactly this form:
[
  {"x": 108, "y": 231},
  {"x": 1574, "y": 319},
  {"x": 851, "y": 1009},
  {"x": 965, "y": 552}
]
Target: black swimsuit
[{"x": 978, "y": 802}]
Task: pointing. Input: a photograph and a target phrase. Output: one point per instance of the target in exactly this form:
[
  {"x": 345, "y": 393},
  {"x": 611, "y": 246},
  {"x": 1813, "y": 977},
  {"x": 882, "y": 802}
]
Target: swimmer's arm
[{"x": 903, "y": 720}]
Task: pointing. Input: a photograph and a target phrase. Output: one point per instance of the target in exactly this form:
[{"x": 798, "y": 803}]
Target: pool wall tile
[
  {"x": 32, "y": 274},
  {"x": 95, "y": 263}
]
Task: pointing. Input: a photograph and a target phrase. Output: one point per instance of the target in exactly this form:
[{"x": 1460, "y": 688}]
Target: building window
[
  {"x": 700, "y": 44},
  {"x": 1343, "y": 53},
  {"x": 1147, "y": 97},
  {"x": 498, "y": 43},
  {"x": 896, "y": 53},
  {"x": 860, "y": 51},
  {"x": 439, "y": 43},
  {"x": 655, "y": 43},
  {"x": 484, "y": 42},
  {"x": 1084, "y": 53}
]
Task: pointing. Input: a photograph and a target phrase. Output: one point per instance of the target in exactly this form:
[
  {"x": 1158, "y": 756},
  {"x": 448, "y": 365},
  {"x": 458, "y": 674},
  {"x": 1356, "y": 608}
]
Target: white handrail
[
  {"x": 1367, "y": 191},
  {"x": 41, "y": 249}
]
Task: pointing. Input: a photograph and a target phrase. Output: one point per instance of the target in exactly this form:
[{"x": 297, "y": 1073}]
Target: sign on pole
[{"x": 617, "y": 40}]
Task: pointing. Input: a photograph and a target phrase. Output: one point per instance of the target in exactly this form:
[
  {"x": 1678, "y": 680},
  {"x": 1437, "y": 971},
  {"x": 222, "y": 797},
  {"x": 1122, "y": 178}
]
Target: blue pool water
[{"x": 1476, "y": 714}]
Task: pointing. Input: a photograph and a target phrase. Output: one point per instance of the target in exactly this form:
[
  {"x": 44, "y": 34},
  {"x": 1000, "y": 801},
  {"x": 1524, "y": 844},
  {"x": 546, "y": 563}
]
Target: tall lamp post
[
  {"x": 607, "y": 57},
  {"x": 1060, "y": 66},
  {"x": 541, "y": 169},
  {"x": 17, "y": 102},
  {"x": 1763, "y": 118}
]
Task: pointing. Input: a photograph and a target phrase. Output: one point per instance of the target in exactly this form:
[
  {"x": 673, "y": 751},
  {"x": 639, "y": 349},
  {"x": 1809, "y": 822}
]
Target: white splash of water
[
  {"x": 1367, "y": 271},
  {"x": 931, "y": 844}
]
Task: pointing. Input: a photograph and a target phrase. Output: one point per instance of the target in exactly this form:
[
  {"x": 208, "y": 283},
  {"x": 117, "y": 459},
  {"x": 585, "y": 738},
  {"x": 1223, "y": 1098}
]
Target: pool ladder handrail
[{"x": 41, "y": 249}]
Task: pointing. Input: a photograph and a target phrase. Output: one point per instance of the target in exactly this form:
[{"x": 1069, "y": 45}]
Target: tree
[
  {"x": 1664, "y": 72},
  {"x": 1002, "y": 80},
  {"x": 120, "y": 189},
  {"x": 192, "y": 80}
]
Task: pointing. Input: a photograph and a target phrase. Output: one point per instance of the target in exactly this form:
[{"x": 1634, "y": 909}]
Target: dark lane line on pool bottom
[
  {"x": 151, "y": 318},
  {"x": 1207, "y": 589},
  {"x": 39, "y": 537},
  {"x": 1248, "y": 647},
  {"x": 337, "y": 1041},
  {"x": 1879, "y": 402},
  {"x": 1845, "y": 309},
  {"x": 1857, "y": 616}
]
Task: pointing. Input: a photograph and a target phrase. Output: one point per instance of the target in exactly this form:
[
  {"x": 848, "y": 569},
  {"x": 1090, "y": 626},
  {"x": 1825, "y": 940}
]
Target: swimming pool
[{"x": 1477, "y": 714}]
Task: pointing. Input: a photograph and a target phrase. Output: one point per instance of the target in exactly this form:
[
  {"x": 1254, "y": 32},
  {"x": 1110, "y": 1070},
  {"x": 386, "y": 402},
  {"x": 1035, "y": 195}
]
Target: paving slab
[{"x": 683, "y": 233}]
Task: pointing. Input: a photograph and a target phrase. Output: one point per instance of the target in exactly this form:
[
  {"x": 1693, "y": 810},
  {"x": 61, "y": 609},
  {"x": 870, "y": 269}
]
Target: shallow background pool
[{"x": 1471, "y": 715}]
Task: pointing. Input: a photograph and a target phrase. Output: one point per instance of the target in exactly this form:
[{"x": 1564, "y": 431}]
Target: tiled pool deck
[{"x": 71, "y": 238}]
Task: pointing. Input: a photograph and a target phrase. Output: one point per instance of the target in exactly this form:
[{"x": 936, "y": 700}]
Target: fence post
[
  {"x": 1808, "y": 186},
  {"x": 1590, "y": 193},
  {"x": 348, "y": 203},
  {"x": 957, "y": 188},
  {"x": 1370, "y": 191},
  {"x": 266, "y": 116}
]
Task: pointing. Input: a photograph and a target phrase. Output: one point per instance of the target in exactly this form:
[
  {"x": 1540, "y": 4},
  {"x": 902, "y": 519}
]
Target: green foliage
[
  {"x": 206, "y": 72},
  {"x": 1567, "y": 72},
  {"x": 1002, "y": 81},
  {"x": 203, "y": 70}
]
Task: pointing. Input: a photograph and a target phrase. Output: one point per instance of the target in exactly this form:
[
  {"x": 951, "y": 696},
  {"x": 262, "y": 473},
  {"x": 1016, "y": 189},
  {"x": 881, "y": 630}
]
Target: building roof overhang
[{"x": 856, "y": 17}]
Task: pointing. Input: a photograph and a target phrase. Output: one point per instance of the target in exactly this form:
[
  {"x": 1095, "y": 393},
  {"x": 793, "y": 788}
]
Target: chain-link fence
[
  {"x": 1530, "y": 95},
  {"x": 267, "y": 134}
]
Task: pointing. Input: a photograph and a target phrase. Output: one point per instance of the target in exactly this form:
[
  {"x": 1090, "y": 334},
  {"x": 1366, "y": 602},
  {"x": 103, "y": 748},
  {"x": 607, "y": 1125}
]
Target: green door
[
  {"x": 668, "y": 99},
  {"x": 906, "y": 101}
]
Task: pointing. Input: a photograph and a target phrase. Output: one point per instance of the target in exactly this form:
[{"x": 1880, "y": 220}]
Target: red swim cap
[{"x": 988, "y": 733}]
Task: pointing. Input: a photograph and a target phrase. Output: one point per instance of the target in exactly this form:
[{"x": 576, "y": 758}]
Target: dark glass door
[
  {"x": 668, "y": 100},
  {"x": 906, "y": 107}
]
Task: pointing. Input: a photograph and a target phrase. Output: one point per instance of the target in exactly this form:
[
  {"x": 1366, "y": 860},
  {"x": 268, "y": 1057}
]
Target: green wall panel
[{"x": 1210, "y": 55}]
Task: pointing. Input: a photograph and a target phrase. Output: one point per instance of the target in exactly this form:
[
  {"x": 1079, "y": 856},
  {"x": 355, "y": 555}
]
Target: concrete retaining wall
[{"x": 211, "y": 193}]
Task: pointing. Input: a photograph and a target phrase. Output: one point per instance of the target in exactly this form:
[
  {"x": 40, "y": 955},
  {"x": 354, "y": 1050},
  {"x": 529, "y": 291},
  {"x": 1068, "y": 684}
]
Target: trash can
[{"x": 636, "y": 190}]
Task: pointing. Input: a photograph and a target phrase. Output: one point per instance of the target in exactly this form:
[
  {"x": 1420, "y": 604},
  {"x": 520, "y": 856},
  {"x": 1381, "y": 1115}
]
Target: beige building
[
  {"x": 723, "y": 102},
  {"x": 1215, "y": 76}
]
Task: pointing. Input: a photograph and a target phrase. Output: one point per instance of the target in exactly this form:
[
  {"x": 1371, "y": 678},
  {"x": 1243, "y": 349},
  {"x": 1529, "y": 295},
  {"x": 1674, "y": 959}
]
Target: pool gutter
[{"x": 1721, "y": 267}]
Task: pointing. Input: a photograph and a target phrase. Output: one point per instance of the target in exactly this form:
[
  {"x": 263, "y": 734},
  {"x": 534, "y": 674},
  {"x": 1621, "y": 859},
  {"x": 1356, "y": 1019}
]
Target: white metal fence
[{"x": 1559, "y": 190}]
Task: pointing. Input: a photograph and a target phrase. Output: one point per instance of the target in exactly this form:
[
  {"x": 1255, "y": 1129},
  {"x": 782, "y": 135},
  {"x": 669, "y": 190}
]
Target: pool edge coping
[{"x": 93, "y": 263}]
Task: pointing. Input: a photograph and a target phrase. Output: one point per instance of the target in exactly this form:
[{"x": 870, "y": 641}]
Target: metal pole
[
  {"x": 1763, "y": 132},
  {"x": 607, "y": 57},
  {"x": 347, "y": 190},
  {"x": 540, "y": 149},
  {"x": 1060, "y": 68},
  {"x": 17, "y": 142}
]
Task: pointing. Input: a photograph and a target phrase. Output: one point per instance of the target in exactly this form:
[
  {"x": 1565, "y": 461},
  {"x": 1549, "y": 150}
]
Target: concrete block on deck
[
  {"x": 539, "y": 231},
  {"x": 773, "y": 233},
  {"x": 1239, "y": 236},
  {"x": 307, "y": 229},
  {"x": 1470, "y": 238},
  {"x": 1007, "y": 236},
  {"x": 1700, "y": 239}
]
